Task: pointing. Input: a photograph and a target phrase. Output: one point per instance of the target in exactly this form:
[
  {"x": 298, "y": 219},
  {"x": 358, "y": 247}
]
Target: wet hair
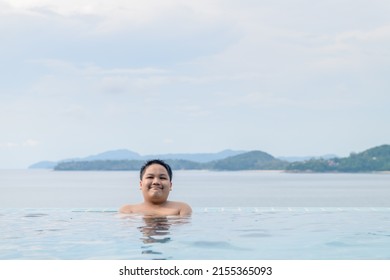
[{"x": 155, "y": 161}]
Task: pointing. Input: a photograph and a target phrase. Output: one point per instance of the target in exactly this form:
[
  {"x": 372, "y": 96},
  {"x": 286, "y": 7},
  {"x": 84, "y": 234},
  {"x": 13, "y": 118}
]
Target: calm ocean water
[{"x": 43, "y": 188}]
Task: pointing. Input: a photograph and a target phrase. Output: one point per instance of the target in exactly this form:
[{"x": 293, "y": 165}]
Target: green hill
[
  {"x": 374, "y": 159},
  {"x": 254, "y": 160},
  {"x": 246, "y": 161}
]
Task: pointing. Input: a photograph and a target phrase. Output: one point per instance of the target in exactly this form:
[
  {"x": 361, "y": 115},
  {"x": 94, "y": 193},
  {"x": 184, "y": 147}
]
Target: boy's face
[{"x": 155, "y": 184}]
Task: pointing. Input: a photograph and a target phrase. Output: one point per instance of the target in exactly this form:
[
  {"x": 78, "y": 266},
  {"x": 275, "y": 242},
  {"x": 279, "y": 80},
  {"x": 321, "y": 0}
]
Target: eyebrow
[{"x": 159, "y": 174}]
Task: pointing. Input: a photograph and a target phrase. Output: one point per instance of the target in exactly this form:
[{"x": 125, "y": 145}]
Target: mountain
[
  {"x": 123, "y": 154},
  {"x": 377, "y": 153},
  {"x": 130, "y": 155},
  {"x": 374, "y": 159},
  {"x": 200, "y": 157},
  {"x": 304, "y": 158},
  {"x": 254, "y": 160},
  {"x": 43, "y": 165}
]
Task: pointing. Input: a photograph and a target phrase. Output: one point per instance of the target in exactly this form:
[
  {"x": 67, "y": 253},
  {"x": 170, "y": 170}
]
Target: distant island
[
  {"x": 371, "y": 160},
  {"x": 254, "y": 160}
]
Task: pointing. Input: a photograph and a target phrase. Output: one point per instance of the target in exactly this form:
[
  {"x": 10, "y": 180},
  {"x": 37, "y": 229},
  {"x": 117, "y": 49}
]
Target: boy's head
[{"x": 155, "y": 161}]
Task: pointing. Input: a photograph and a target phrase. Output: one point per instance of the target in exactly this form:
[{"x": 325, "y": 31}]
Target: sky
[{"x": 290, "y": 78}]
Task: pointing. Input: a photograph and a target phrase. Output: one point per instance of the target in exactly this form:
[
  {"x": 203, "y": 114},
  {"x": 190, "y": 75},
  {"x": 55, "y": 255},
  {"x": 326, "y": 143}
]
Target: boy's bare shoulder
[
  {"x": 184, "y": 208},
  {"x": 170, "y": 208},
  {"x": 128, "y": 209}
]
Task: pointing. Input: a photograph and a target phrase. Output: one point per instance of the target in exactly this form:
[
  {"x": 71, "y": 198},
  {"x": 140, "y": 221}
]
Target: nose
[{"x": 156, "y": 181}]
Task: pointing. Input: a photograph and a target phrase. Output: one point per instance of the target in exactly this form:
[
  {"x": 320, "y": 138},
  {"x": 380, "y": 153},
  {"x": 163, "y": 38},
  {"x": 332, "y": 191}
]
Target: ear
[
  {"x": 140, "y": 185},
  {"x": 170, "y": 187}
]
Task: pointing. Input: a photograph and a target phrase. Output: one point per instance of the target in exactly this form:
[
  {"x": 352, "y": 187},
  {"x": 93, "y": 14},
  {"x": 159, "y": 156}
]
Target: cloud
[
  {"x": 380, "y": 33},
  {"x": 118, "y": 15},
  {"x": 168, "y": 141},
  {"x": 29, "y": 143},
  {"x": 9, "y": 145},
  {"x": 75, "y": 111},
  {"x": 350, "y": 48},
  {"x": 266, "y": 99}
]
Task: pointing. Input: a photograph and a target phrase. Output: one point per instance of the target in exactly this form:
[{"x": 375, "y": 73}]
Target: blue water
[
  {"x": 211, "y": 233},
  {"x": 50, "y": 189}
]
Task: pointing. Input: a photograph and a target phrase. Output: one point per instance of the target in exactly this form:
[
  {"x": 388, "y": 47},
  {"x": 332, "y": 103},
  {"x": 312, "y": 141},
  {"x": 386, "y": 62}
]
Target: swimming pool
[{"x": 210, "y": 233}]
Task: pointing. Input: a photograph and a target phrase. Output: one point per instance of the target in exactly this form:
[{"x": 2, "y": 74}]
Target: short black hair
[{"x": 155, "y": 161}]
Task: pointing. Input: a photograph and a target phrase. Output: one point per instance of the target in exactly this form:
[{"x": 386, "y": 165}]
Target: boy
[{"x": 155, "y": 184}]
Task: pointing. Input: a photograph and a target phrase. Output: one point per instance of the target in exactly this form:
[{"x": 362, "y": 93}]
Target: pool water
[{"x": 210, "y": 233}]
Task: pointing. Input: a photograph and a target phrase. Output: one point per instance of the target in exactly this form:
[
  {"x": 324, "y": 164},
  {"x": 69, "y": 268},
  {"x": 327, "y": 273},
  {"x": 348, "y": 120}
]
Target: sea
[{"x": 71, "y": 189}]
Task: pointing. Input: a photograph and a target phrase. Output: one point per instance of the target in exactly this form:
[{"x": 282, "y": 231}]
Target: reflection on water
[
  {"x": 35, "y": 215},
  {"x": 157, "y": 230}
]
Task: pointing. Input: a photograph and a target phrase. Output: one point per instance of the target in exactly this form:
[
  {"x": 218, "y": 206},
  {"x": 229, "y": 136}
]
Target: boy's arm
[{"x": 185, "y": 210}]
